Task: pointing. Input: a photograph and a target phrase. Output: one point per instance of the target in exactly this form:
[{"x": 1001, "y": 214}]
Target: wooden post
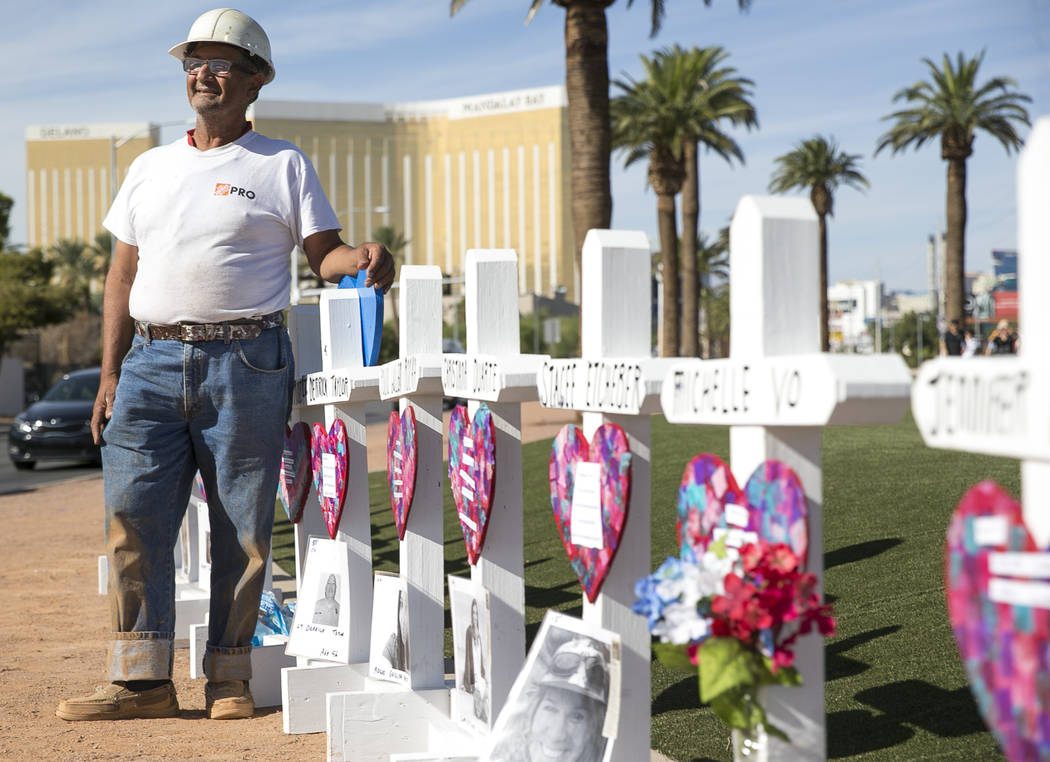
[
  {"x": 415, "y": 379},
  {"x": 493, "y": 342},
  {"x": 617, "y": 380},
  {"x": 776, "y": 392},
  {"x": 774, "y": 310}
]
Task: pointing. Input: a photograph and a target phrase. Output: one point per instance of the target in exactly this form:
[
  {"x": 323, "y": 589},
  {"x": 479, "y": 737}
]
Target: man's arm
[
  {"x": 117, "y": 330},
  {"x": 331, "y": 259}
]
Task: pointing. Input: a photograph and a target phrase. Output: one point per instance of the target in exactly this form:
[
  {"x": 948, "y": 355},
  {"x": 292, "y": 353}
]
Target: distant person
[
  {"x": 952, "y": 340},
  {"x": 1003, "y": 341},
  {"x": 326, "y": 610},
  {"x": 971, "y": 344}
]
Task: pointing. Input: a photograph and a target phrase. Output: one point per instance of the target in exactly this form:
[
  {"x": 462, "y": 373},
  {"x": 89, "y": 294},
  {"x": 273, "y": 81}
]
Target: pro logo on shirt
[{"x": 225, "y": 189}]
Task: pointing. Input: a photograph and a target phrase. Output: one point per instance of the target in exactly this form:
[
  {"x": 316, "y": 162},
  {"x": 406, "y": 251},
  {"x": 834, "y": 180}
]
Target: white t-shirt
[{"x": 215, "y": 229}]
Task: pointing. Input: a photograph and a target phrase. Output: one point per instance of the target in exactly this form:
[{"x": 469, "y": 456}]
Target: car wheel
[{"x": 24, "y": 465}]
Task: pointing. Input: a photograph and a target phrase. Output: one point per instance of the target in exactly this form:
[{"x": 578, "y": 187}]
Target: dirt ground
[{"x": 54, "y": 628}]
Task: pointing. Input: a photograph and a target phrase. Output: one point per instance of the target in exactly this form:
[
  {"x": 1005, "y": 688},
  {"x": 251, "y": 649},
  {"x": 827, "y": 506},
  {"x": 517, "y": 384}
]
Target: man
[
  {"x": 197, "y": 369},
  {"x": 952, "y": 340}
]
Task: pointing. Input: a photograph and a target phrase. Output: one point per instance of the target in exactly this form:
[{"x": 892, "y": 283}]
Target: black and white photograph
[
  {"x": 321, "y": 629},
  {"x": 388, "y": 657},
  {"x": 471, "y": 639},
  {"x": 426, "y": 756},
  {"x": 564, "y": 705}
]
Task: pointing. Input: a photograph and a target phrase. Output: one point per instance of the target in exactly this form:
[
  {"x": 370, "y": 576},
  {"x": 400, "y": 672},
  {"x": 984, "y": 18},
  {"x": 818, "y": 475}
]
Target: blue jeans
[{"x": 214, "y": 406}]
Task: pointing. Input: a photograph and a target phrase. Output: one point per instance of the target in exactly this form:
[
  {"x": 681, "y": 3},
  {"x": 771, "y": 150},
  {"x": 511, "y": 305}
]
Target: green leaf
[
  {"x": 718, "y": 547},
  {"x": 674, "y": 657},
  {"x": 726, "y": 665}
]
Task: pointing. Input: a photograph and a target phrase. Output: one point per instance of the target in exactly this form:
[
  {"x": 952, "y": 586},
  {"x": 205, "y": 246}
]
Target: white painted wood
[
  {"x": 492, "y": 328},
  {"x": 614, "y": 384},
  {"x": 1033, "y": 238},
  {"x": 103, "y": 575},
  {"x": 615, "y": 323},
  {"x": 340, "y": 323},
  {"x": 367, "y": 726},
  {"x": 267, "y": 662},
  {"x": 422, "y": 550},
  {"x": 989, "y": 405},
  {"x": 774, "y": 310},
  {"x": 198, "y": 645},
  {"x": 795, "y": 390},
  {"x": 303, "y": 690}
]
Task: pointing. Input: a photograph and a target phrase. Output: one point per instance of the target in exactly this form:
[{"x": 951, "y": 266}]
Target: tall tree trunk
[
  {"x": 690, "y": 225},
  {"x": 669, "y": 257},
  {"x": 955, "y": 243},
  {"x": 587, "y": 89},
  {"x": 822, "y": 226}
]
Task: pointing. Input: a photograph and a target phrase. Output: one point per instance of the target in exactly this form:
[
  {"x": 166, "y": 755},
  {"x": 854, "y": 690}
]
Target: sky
[{"x": 828, "y": 67}]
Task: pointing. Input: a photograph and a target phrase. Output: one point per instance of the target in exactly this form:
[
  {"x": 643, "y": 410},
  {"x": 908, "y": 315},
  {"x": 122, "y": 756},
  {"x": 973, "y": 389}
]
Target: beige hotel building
[{"x": 487, "y": 171}]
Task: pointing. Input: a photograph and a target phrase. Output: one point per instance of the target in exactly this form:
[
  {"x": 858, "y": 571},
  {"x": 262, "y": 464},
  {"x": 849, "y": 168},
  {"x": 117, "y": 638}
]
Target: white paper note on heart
[
  {"x": 586, "y": 517},
  {"x": 328, "y": 475}
]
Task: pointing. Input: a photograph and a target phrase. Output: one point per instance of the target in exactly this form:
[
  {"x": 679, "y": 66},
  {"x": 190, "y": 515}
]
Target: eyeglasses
[
  {"x": 567, "y": 663},
  {"x": 220, "y": 67}
]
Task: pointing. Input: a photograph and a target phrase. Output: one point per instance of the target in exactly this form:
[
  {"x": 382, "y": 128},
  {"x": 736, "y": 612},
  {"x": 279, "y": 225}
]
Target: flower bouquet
[{"x": 733, "y": 617}]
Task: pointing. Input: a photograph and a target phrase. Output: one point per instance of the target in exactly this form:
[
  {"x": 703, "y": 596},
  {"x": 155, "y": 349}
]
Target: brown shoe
[
  {"x": 117, "y": 702},
  {"x": 229, "y": 700}
]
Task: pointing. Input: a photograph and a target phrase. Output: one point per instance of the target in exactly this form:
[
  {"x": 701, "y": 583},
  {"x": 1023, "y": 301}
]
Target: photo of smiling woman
[{"x": 557, "y": 714}]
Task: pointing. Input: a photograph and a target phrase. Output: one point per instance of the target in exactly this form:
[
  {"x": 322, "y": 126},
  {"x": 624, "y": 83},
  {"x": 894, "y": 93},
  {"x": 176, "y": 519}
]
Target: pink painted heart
[
  {"x": 329, "y": 460},
  {"x": 296, "y": 466},
  {"x": 591, "y": 520},
  {"x": 401, "y": 465},
  {"x": 771, "y": 507},
  {"x": 1001, "y": 619},
  {"x": 471, "y": 463}
]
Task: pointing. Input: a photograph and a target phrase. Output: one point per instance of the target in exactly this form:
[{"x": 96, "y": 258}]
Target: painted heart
[
  {"x": 471, "y": 463},
  {"x": 1000, "y": 619},
  {"x": 329, "y": 461},
  {"x": 401, "y": 465},
  {"x": 296, "y": 465},
  {"x": 590, "y": 520},
  {"x": 772, "y": 506},
  {"x": 200, "y": 486}
]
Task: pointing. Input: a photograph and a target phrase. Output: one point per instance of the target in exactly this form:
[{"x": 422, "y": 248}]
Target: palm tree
[
  {"x": 587, "y": 89},
  {"x": 650, "y": 120},
  {"x": 720, "y": 96},
  {"x": 712, "y": 262},
  {"x": 818, "y": 165},
  {"x": 952, "y": 106},
  {"x": 76, "y": 269}
]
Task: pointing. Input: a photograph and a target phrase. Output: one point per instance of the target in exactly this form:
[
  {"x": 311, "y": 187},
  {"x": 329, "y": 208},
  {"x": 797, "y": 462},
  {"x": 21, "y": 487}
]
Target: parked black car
[{"x": 58, "y": 426}]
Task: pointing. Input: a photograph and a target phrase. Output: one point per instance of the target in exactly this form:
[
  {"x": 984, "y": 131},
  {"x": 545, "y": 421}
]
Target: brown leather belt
[{"x": 233, "y": 330}]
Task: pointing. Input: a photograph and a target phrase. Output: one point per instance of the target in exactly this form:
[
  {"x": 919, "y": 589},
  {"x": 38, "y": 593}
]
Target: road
[{"x": 12, "y": 481}]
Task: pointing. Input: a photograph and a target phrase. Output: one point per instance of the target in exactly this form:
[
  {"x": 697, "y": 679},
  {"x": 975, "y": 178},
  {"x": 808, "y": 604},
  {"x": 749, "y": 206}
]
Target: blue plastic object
[{"x": 371, "y": 316}]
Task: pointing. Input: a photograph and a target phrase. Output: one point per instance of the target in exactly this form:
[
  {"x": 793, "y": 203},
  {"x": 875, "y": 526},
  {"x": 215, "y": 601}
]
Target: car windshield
[{"x": 73, "y": 389}]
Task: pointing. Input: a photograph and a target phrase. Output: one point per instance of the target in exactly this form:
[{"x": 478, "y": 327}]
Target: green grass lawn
[{"x": 895, "y": 687}]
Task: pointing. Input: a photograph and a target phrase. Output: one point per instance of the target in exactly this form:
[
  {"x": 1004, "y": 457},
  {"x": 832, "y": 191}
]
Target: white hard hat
[{"x": 231, "y": 27}]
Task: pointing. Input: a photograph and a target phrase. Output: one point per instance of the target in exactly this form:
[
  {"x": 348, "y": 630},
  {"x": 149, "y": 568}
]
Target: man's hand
[
  {"x": 330, "y": 258},
  {"x": 103, "y": 410},
  {"x": 377, "y": 263}
]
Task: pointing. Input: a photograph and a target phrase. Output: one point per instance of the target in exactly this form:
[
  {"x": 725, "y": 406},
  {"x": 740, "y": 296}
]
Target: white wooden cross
[
  {"x": 374, "y": 718},
  {"x": 333, "y": 383},
  {"x": 494, "y": 372},
  {"x": 776, "y": 391},
  {"x": 1001, "y": 405},
  {"x": 617, "y": 380}
]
